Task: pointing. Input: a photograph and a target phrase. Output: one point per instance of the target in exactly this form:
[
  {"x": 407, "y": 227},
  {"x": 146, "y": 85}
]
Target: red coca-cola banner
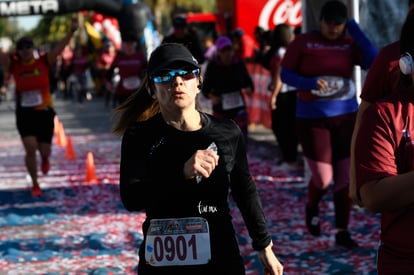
[{"x": 267, "y": 14}]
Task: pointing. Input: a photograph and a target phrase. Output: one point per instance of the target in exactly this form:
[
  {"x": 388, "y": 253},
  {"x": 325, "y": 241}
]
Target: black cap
[
  {"x": 334, "y": 11},
  {"x": 179, "y": 21},
  {"x": 168, "y": 55},
  {"x": 24, "y": 41}
]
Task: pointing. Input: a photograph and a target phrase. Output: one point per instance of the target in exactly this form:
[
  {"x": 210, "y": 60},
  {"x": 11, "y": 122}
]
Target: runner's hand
[
  {"x": 270, "y": 263},
  {"x": 322, "y": 84},
  {"x": 201, "y": 163}
]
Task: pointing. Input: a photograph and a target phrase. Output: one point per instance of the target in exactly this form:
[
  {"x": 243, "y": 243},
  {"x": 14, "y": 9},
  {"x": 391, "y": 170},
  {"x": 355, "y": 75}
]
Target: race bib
[
  {"x": 31, "y": 98},
  {"x": 338, "y": 87},
  {"x": 232, "y": 100},
  {"x": 131, "y": 83},
  {"x": 181, "y": 241}
]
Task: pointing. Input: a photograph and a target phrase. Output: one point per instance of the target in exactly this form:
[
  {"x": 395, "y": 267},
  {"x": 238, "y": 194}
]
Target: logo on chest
[
  {"x": 30, "y": 73},
  {"x": 206, "y": 208}
]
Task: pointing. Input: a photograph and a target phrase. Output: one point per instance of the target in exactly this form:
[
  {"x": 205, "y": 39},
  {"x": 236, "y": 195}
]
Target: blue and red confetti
[{"x": 78, "y": 227}]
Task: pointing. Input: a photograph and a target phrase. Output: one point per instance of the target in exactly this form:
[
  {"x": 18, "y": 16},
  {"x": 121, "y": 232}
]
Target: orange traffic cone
[
  {"x": 57, "y": 134},
  {"x": 57, "y": 124},
  {"x": 90, "y": 169},
  {"x": 70, "y": 152},
  {"x": 62, "y": 135}
]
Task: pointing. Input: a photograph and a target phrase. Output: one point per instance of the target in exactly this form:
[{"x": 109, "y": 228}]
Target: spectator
[
  {"x": 78, "y": 68},
  {"x": 3, "y": 85},
  {"x": 283, "y": 99},
  {"x": 245, "y": 46},
  {"x": 181, "y": 34},
  {"x": 103, "y": 64},
  {"x": 130, "y": 64},
  {"x": 63, "y": 63},
  {"x": 382, "y": 79},
  {"x": 263, "y": 39},
  {"x": 209, "y": 45},
  {"x": 384, "y": 164},
  {"x": 320, "y": 65},
  {"x": 224, "y": 80}
]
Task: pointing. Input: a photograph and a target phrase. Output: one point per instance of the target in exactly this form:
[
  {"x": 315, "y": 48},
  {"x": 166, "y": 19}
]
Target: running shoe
[
  {"x": 45, "y": 166},
  {"x": 313, "y": 221},
  {"x": 343, "y": 238},
  {"x": 36, "y": 191}
]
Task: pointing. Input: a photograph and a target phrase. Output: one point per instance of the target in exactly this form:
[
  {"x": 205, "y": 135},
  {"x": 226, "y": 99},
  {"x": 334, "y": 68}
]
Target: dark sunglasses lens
[
  {"x": 162, "y": 78},
  {"x": 184, "y": 74},
  {"x": 170, "y": 75},
  {"x": 190, "y": 74}
]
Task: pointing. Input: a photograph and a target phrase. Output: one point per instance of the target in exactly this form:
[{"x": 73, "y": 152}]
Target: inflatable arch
[{"x": 132, "y": 16}]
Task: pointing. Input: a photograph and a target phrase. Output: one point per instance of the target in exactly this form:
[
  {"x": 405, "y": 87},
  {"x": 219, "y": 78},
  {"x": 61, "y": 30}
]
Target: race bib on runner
[
  {"x": 181, "y": 241},
  {"x": 232, "y": 100},
  {"x": 131, "y": 83},
  {"x": 31, "y": 98},
  {"x": 338, "y": 88}
]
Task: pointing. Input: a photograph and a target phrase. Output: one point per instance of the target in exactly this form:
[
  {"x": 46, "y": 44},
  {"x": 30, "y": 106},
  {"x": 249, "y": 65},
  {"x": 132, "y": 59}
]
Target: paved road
[{"x": 92, "y": 117}]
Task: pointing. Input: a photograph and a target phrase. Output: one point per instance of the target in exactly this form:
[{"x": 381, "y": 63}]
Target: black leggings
[{"x": 284, "y": 125}]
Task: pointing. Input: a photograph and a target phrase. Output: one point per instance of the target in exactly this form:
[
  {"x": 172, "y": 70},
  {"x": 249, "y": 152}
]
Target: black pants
[{"x": 284, "y": 125}]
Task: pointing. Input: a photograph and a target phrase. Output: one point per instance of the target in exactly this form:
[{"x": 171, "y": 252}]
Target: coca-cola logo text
[{"x": 281, "y": 11}]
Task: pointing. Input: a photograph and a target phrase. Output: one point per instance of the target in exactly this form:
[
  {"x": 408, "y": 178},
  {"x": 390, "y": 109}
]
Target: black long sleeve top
[{"x": 151, "y": 178}]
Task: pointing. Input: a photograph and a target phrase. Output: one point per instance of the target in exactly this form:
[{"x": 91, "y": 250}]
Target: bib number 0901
[
  {"x": 183, "y": 241},
  {"x": 170, "y": 248}
]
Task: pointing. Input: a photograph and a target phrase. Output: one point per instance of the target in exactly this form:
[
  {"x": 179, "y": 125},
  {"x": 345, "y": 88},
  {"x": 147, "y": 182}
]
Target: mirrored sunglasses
[{"x": 168, "y": 76}]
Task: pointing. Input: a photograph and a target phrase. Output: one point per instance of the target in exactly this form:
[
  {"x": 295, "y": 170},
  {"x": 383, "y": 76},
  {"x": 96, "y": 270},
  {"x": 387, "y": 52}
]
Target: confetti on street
[{"x": 81, "y": 227}]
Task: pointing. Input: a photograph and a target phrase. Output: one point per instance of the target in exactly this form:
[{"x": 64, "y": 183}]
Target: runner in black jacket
[{"x": 178, "y": 164}]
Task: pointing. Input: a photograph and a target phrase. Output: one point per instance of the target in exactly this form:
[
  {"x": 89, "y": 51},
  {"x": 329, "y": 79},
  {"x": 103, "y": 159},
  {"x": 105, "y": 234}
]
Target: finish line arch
[{"x": 132, "y": 17}]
